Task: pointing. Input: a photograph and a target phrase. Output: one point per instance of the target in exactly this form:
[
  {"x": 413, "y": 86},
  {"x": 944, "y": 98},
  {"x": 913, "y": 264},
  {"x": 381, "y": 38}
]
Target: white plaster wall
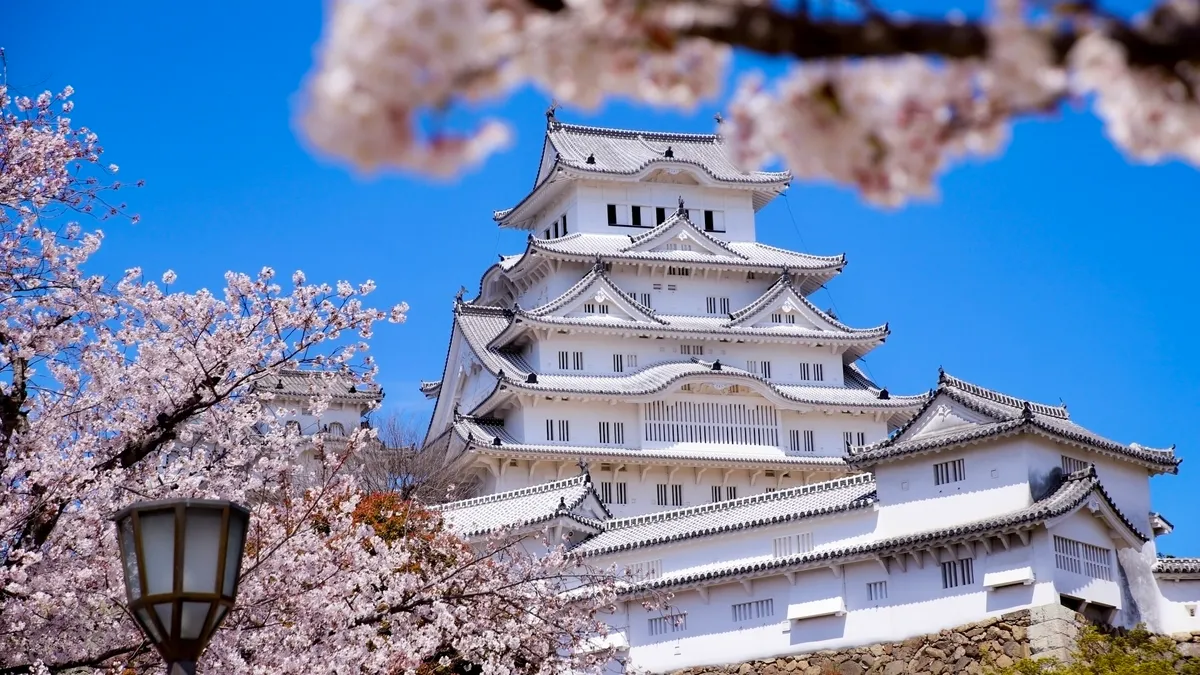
[
  {"x": 528, "y": 424},
  {"x": 1178, "y": 596},
  {"x": 1083, "y": 526},
  {"x": 598, "y": 350},
  {"x": 1126, "y": 483},
  {"x": 996, "y": 482},
  {"x": 916, "y": 604},
  {"x": 641, "y": 482},
  {"x": 349, "y": 415},
  {"x": 592, "y": 199},
  {"x": 688, "y": 298},
  {"x": 750, "y": 545}
]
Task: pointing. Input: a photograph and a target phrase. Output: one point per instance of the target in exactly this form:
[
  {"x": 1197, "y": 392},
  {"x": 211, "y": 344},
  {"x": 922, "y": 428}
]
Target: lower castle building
[{"x": 653, "y": 386}]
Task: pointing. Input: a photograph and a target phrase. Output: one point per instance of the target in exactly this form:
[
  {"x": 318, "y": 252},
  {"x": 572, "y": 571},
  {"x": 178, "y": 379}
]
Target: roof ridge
[
  {"x": 782, "y": 285},
  {"x": 631, "y": 134},
  {"x": 677, "y": 216},
  {"x": 840, "y": 256},
  {"x": 519, "y": 492},
  {"x": 810, "y": 488},
  {"x": 596, "y": 273},
  {"x": 948, "y": 380},
  {"x": 1038, "y": 511}
]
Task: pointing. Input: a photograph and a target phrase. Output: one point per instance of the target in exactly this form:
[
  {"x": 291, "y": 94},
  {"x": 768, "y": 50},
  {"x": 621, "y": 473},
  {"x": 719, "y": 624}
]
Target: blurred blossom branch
[{"x": 875, "y": 100}]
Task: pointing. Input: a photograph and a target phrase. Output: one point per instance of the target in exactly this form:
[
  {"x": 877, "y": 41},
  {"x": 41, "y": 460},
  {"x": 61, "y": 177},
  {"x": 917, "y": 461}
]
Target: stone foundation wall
[{"x": 1042, "y": 631}]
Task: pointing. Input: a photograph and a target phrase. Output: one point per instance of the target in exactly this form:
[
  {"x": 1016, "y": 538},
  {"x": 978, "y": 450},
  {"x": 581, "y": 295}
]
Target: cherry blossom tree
[
  {"x": 876, "y": 99},
  {"x": 117, "y": 390}
]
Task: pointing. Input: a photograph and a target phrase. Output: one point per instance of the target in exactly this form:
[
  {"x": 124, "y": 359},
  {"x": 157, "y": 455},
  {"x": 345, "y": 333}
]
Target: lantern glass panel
[
  {"x": 201, "y": 548},
  {"x": 221, "y": 610},
  {"x": 233, "y": 551},
  {"x": 158, "y": 547},
  {"x": 191, "y": 619},
  {"x": 165, "y": 612},
  {"x": 147, "y": 623},
  {"x": 133, "y": 580}
]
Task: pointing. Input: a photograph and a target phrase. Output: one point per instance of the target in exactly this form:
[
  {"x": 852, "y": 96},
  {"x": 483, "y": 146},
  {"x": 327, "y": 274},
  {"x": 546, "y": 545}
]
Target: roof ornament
[
  {"x": 458, "y": 297},
  {"x": 454, "y": 411},
  {"x": 531, "y": 379},
  {"x": 583, "y": 469},
  {"x": 550, "y": 112},
  {"x": 353, "y": 389},
  {"x": 470, "y": 437},
  {"x": 1026, "y": 411},
  {"x": 681, "y": 211},
  {"x": 718, "y": 117},
  {"x": 884, "y": 395},
  {"x": 279, "y": 384},
  {"x": 716, "y": 364},
  {"x": 591, "y": 158},
  {"x": 669, "y": 154},
  {"x": 562, "y": 503},
  {"x": 941, "y": 375},
  {"x": 496, "y": 441}
]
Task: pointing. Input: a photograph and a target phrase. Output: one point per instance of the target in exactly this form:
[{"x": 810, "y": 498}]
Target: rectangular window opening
[{"x": 952, "y": 471}]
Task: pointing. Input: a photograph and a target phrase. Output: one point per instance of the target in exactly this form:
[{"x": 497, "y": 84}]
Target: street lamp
[{"x": 182, "y": 559}]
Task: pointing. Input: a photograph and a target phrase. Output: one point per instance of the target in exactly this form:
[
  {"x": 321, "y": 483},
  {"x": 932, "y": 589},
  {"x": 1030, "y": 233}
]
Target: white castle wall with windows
[{"x": 744, "y": 462}]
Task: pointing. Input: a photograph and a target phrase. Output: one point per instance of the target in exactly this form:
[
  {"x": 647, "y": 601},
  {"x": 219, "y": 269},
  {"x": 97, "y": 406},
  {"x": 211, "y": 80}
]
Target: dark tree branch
[{"x": 1165, "y": 41}]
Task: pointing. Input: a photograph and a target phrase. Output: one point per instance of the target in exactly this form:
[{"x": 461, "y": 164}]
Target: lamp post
[{"x": 182, "y": 559}]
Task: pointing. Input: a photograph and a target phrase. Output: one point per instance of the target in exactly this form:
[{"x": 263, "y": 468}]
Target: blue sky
[{"x": 1057, "y": 271}]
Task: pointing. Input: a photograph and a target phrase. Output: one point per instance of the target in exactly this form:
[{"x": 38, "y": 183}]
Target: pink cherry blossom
[
  {"x": 118, "y": 390},
  {"x": 888, "y": 123}
]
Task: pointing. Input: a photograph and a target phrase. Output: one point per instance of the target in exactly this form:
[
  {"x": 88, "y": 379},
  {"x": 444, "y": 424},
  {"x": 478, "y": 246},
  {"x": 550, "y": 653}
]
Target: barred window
[
  {"x": 613, "y": 492},
  {"x": 671, "y": 623},
  {"x": 780, "y": 317},
  {"x": 564, "y": 430},
  {"x": 876, "y": 591},
  {"x": 755, "y": 609},
  {"x": 802, "y": 439},
  {"x": 1071, "y": 465},
  {"x": 949, "y": 472},
  {"x": 957, "y": 573},
  {"x": 645, "y": 298},
  {"x": 577, "y": 360},
  {"x": 805, "y": 373},
  {"x": 760, "y": 368},
  {"x": 564, "y": 360},
  {"x": 731, "y": 492},
  {"x": 646, "y": 569},
  {"x": 691, "y": 350},
  {"x": 593, "y": 308},
  {"x": 717, "y": 305},
  {"x": 792, "y": 544},
  {"x": 1080, "y": 558},
  {"x": 676, "y": 492},
  {"x": 716, "y": 493},
  {"x": 618, "y": 363},
  {"x": 679, "y": 271},
  {"x": 819, "y": 372},
  {"x": 612, "y": 433}
]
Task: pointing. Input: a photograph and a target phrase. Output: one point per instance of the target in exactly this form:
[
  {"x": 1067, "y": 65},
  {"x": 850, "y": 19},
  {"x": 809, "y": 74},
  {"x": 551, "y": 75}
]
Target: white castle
[{"x": 732, "y": 451}]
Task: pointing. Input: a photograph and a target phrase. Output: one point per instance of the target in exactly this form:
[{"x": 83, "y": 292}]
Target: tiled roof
[
  {"x": 1179, "y": 567},
  {"x": 1071, "y": 494},
  {"x": 523, "y": 507},
  {"x": 1010, "y": 415},
  {"x": 481, "y": 325},
  {"x": 784, "y": 287},
  {"x": 677, "y": 226},
  {"x": 308, "y": 383},
  {"x": 483, "y": 434},
  {"x": 842, "y": 494},
  {"x": 431, "y": 389},
  {"x": 596, "y": 278},
  {"x": 628, "y": 152},
  {"x": 748, "y": 254}
]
